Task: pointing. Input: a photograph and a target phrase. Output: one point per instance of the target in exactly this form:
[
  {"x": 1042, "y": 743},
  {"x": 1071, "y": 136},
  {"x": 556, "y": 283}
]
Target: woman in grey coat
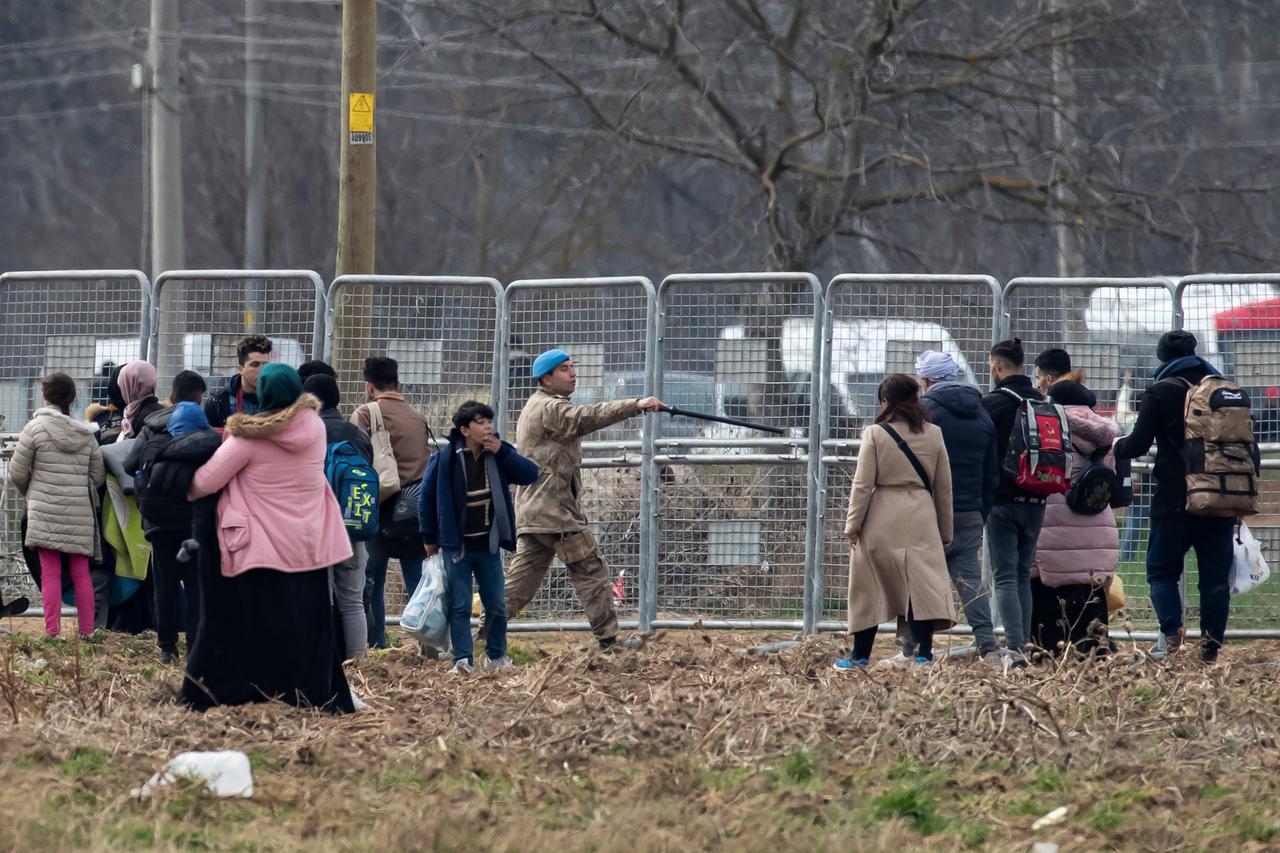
[{"x": 58, "y": 467}]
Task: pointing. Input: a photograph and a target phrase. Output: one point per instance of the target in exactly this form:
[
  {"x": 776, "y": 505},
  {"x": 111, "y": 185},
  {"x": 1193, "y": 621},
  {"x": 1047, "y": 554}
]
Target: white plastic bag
[
  {"x": 225, "y": 774},
  {"x": 1248, "y": 568},
  {"x": 426, "y": 617}
]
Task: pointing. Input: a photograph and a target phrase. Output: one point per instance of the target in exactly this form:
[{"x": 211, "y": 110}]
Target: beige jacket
[
  {"x": 900, "y": 558},
  {"x": 550, "y": 432},
  {"x": 408, "y": 430},
  {"x": 58, "y": 466}
]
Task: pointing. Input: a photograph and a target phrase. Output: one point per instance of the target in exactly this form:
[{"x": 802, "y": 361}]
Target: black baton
[{"x": 673, "y": 411}]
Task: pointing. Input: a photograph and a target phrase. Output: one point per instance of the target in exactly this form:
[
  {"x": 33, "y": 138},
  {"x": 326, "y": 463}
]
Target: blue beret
[{"x": 548, "y": 361}]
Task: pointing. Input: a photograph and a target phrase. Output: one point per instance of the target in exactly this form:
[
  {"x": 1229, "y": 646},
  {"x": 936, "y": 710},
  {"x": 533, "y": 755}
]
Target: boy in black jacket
[
  {"x": 1161, "y": 418},
  {"x": 166, "y": 517},
  {"x": 1013, "y": 526}
]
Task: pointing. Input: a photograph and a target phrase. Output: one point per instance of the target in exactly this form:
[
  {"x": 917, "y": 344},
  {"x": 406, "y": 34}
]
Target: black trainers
[
  {"x": 168, "y": 656},
  {"x": 607, "y": 643},
  {"x": 1209, "y": 653}
]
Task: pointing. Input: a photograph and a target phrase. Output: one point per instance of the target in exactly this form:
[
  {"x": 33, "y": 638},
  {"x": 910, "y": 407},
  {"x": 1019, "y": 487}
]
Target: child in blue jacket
[{"x": 466, "y": 514}]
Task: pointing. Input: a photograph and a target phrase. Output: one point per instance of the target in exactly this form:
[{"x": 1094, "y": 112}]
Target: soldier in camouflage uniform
[{"x": 549, "y": 517}]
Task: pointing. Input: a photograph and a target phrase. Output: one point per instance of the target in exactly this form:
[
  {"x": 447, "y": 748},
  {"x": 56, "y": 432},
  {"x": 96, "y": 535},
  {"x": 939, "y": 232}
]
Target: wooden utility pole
[
  {"x": 357, "y": 188},
  {"x": 167, "y": 251}
]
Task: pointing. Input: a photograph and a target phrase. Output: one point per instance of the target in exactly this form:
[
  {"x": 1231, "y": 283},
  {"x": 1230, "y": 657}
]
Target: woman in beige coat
[
  {"x": 58, "y": 466},
  {"x": 897, "y": 530}
]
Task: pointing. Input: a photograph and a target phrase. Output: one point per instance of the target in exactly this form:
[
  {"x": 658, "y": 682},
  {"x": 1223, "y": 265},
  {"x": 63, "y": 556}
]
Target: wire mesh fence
[
  {"x": 1110, "y": 328},
  {"x": 732, "y": 519},
  {"x": 441, "y": 330},
  {"x": 604, "y": 324},
  {"x": 200, "y": 315},
  {"x": 701, "y": 519},
  {"x": 80, "y": 322},
  {"x": 876, "y": 325}
]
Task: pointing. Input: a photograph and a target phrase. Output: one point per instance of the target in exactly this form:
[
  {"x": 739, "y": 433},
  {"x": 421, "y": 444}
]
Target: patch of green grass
[
  {"x": 1248, "y": 827},
  {"x": 481, "y": 782},
  {"x": 1104, "y": 817},
  {"x": 725, "y": 780},
  {"x": 403, "y": 777},
  {"x": 911, "y": 801},
  {"x": 1028, "y": 806},
  {"x": 1048, "y": 779},
  {"x": 130, "y": 836},
  {"x": 1146, "y": 694},
  {"x": 798, "y": 769},
  {"x": 1211, "y": 791},
  {"x": 974, "y": 834},
  {"x": 31, "y": 760},
  {"x": 523, "y": 654},
  {"x": 84, "y": 761},
  {"x": 262, "y": 761}
]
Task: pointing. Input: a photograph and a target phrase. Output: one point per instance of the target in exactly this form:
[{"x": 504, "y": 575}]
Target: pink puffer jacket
[{"x": 1079, "y": 549}]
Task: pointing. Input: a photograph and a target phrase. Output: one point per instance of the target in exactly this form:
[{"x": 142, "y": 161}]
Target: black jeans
[
  {"x": 921, "y": 638},
  {"x": 1172, "y": 536},
  {"x": 171, "y": 579}
]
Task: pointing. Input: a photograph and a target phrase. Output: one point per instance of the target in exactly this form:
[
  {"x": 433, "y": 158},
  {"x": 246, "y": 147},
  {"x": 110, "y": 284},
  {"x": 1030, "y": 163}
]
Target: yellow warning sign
[{"x": 360, "y": 114}]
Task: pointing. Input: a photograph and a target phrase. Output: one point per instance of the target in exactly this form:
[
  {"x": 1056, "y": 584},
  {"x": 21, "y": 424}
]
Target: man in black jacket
[
  {"x": 956, "y": 408},
  {"x": 240, "y": 392},
  {"x": 346, "y": 579},
  {"x": 1174, "y": 531},
  {"x": 1013, "y": 526}
]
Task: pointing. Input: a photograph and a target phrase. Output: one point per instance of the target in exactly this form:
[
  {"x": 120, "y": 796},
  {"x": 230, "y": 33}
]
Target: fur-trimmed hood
[
  {"x": 66, "y": 433},
  {"x": 274, "y": 425}
]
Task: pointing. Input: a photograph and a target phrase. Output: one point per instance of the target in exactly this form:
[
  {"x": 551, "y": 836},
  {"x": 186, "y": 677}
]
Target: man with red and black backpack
[
  {"x": 1013, "y": 525},
  {"x": 1176, "y": 526}
]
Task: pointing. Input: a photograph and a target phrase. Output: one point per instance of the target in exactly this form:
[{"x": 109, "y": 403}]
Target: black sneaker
[
  {"x": 168, "y": 657},
  {"x": 607, "y": 643},
  {"x": 1209, "y": 654}
]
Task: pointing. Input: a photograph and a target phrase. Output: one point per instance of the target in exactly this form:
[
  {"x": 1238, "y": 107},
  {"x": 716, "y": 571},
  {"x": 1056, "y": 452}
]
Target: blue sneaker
[
  {"x": 847, "y": 664},
  {"x": 921, "y": 660}
]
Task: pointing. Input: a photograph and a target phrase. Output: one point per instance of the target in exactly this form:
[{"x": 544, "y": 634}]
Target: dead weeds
[{"x": 685, "y": 744}]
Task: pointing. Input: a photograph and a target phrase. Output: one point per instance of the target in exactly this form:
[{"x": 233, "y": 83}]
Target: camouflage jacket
[{"x": 550, "y": 432}]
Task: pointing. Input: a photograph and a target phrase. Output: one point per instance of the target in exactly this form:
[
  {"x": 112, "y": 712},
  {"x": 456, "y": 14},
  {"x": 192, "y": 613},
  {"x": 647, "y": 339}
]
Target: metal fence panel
[
  {"x": 1110, "y": 327},
  {"x": 732, "y": 519},
  {"x": 198, "y": 316},
  {"x": 443, "y": 331},
  {"x": 607, "y": 325},
  {"x": 876, "y": 325},
  {"x": 1236, "y": 319},
  {"x": 80, "y": 322}
]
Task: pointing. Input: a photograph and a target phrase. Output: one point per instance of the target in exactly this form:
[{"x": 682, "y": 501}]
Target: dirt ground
[{"x": 685, "y": 744}]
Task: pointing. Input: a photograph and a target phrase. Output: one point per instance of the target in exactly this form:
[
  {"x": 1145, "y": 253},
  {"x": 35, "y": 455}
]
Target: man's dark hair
[
  {"x": 469, "y": 411},
  {"x": 252, "y": 343},
  {"x": 188, "y": 385},
  {"x": 1010, "y": 351},
  {"x": 382, "y": 372},
  {"x": 325, "y": 389},
  {"x": 59, "y": 390},
  {"x": 1055, "y": 362},
  {"x": 316, "y": 367}
]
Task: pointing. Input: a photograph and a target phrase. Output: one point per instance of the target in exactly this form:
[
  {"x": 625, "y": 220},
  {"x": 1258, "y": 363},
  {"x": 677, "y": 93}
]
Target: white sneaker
[
  {"x": 462, "y": 667},
  {"x": 503, "y": 662},
  {"x": 898, "y": 661}
]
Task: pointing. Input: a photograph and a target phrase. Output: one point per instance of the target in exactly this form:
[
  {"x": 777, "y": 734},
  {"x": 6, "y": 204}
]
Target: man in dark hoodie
[
  {"x": 1013, "y": 525},
  {"x": 240, "y": 392},
  {"x": 1174, "y": 531},
  {"x": 466, "y": 512},
  {"x": 956, "y": 408},
  {"x": 347, "y": 578}
]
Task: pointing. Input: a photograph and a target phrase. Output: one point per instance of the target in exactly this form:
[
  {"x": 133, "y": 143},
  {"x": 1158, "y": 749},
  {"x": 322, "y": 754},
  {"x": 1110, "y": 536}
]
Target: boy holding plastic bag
[{"x": 466, "y": 514}]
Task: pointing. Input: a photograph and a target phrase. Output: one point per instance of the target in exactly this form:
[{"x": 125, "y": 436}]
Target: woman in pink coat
[
  {"x": 1076, "y": 555},
  {"x": 269, "y": 630}
]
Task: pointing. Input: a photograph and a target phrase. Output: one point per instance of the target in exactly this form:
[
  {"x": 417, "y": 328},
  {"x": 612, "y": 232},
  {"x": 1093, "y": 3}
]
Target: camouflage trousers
[{"x": 587, "y": 573}]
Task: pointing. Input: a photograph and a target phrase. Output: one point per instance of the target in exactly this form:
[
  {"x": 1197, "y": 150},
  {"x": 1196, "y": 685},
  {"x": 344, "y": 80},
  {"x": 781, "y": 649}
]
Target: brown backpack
[{"x": 1221, "y": 455}]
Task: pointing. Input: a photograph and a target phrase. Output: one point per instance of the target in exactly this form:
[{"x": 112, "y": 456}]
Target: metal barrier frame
[
  {"x": 144, "y": 285},
  {"x": 318, "y": 331},
  {"x": 648, "y": 594},
  {"x": 497, "y": 386},
  {"x": 828, "y": 331},
  {"x": 1168, "y": 283},
  {"x": 817, "y": 428}
]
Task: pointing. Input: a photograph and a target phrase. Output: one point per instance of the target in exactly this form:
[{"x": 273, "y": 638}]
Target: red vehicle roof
[{"x": 1254, "y": 317}]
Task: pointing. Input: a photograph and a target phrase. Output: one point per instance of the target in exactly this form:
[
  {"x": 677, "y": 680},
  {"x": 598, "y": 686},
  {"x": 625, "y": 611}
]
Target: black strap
[{"x": 911, "y": 457}]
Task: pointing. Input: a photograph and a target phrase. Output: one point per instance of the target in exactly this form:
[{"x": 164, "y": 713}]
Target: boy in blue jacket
[{"x": 466, "y": 513}]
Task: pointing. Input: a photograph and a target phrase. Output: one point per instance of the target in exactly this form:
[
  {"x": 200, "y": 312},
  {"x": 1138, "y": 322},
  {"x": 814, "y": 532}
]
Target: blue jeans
[
  {"x": 487, "y": 569},
  {"x": 1171, "y": 538},
  {"x": 375, "y": 587},
  {"x": 1012, "y": 531},
  {"x": 966, "y": 575}
]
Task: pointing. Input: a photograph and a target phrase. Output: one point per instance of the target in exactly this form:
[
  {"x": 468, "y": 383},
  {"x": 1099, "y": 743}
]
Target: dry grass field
[{"x": 685, "y": 744}]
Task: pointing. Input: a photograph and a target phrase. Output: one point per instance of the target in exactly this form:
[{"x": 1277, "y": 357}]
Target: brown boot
[{"x": 1173, "y": 642}]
